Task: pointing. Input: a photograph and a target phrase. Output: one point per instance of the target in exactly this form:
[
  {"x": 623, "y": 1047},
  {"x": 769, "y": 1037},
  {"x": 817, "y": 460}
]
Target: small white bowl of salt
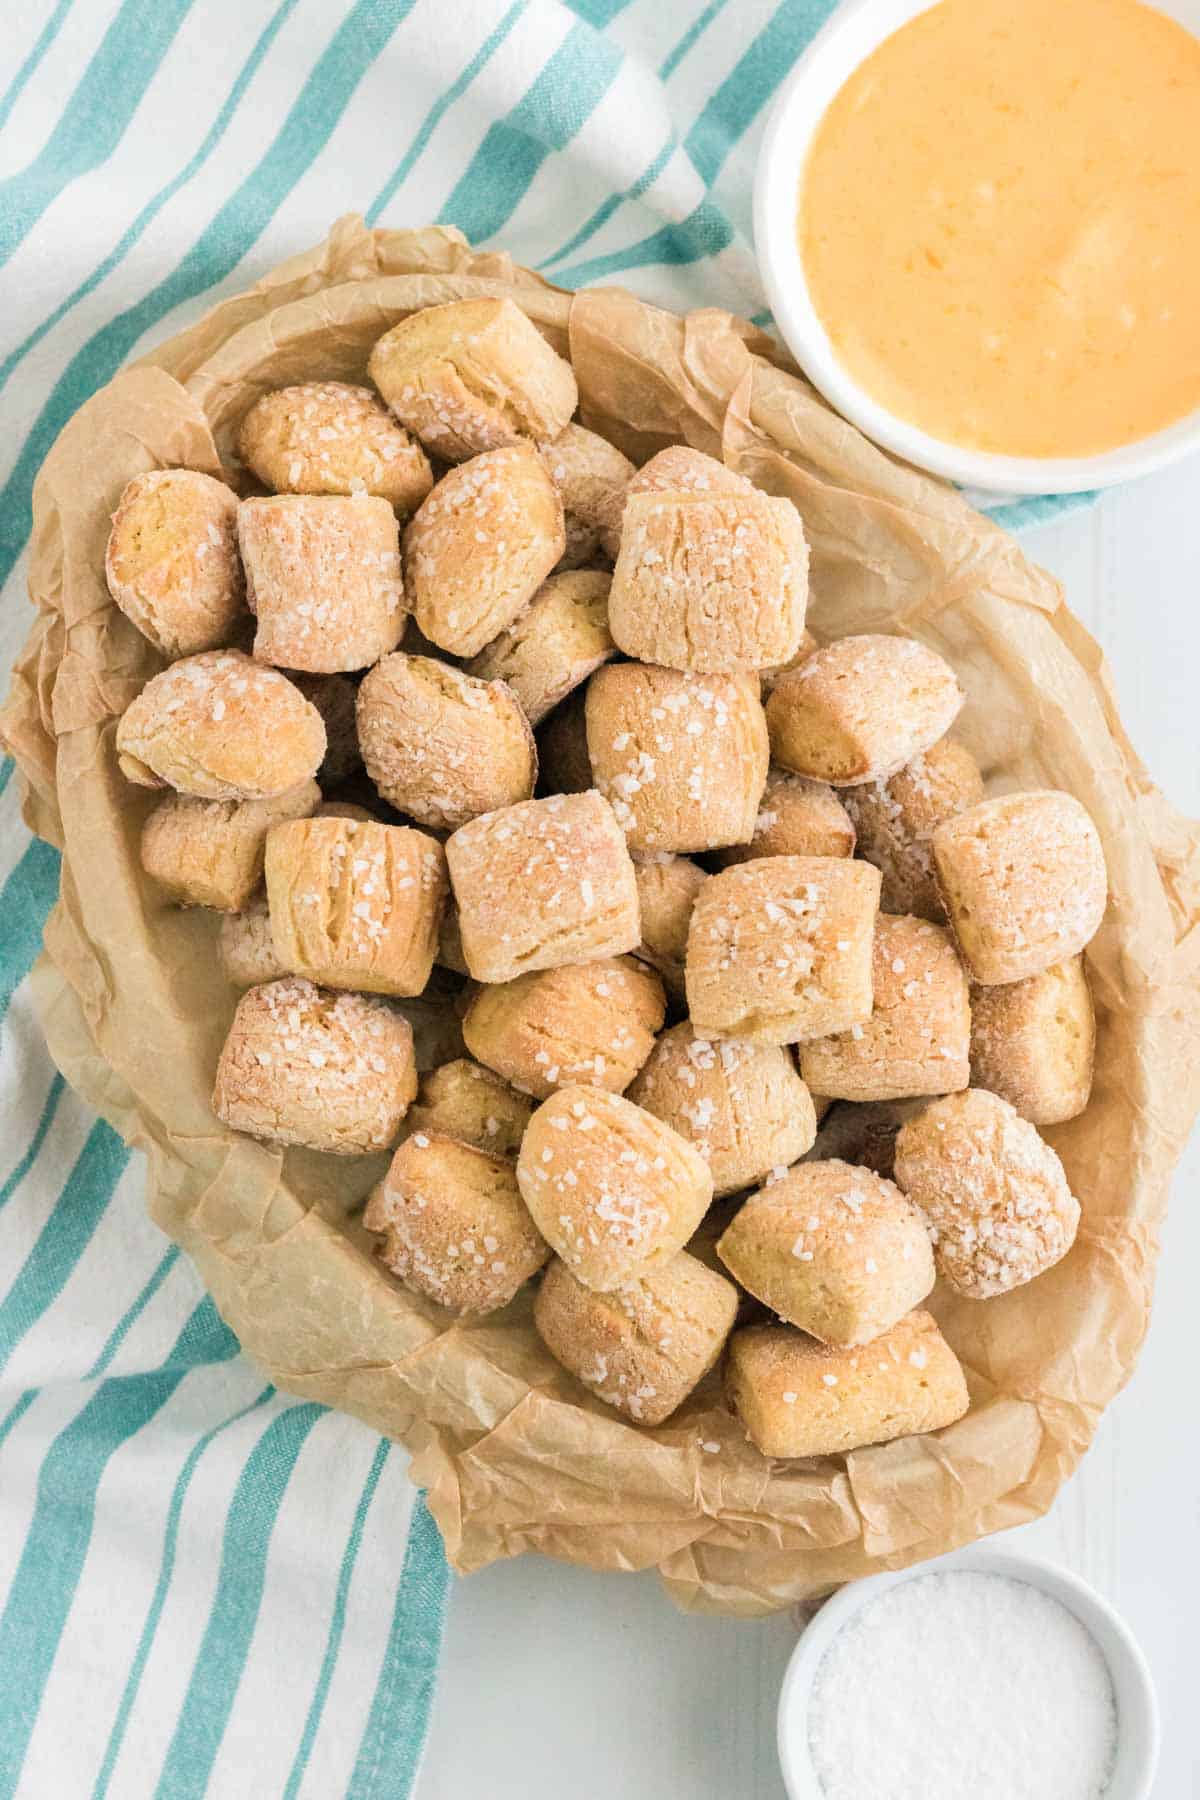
[{"x": 980, "y": 1676}]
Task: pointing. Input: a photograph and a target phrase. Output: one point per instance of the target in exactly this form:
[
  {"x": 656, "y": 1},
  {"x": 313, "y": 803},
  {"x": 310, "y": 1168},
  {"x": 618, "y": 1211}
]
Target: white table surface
[{"x": 562, "y": 1685}]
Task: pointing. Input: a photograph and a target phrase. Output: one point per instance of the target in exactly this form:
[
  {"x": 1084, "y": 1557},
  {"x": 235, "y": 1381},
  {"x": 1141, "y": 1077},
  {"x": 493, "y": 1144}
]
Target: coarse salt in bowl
[
  {"x": 855, "y": 31},
  {"x": 1134, "y": 1753}
]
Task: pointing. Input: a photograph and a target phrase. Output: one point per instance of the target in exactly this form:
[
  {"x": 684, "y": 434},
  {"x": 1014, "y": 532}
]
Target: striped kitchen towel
[{"x": 205, "y": 1587}]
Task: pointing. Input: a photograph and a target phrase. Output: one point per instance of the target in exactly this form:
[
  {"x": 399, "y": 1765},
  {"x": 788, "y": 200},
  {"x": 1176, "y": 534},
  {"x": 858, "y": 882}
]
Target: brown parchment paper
[{"x": 516, "y": 1456}]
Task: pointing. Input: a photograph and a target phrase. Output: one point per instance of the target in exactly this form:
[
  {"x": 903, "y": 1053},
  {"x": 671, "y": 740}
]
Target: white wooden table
[{"x": 562, "y": 1685}]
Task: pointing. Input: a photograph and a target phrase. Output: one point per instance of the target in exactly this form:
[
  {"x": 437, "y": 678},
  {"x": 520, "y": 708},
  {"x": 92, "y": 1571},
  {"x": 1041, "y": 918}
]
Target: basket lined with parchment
[{"x": 516, "y": 1456}]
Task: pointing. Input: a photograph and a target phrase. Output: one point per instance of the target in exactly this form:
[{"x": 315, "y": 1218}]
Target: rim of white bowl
[
  {"x": 848, "y": 38},
  {"x": 1138, "y": 1732}
]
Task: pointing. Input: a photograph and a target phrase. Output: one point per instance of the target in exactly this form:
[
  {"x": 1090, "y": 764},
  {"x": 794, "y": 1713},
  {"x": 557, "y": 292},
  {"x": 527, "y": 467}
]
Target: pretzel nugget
[
  {"x": 861, "y": 708},
  {"x": 614, "y": 1190},
  {"x": 591, "y": 476},
  {"x": 780, "y": 950},
  {"x": 479, "y": 548},
  {"x": 471, "y": 376},
  {"x": 796, "y": 817},
  {"x": 644, "y": 1347},
  {"x": 797, "y": 1397},
  {"x": 742, "y": 1105},
  {"x": 1033, "y": 1042},
  {"x": 463, "y": 1100},
  {"x": 453, "y": 1224},
  {"x": 896, "y": 819},
  {"x": 918, "y": 1037},
  {"x": 993, "y": 1192},
  {"x": 221, "y": 726},
  {"x": 588, "y": 1022},
  {"x": 681, "y": 470},
  {"x": 356, "y": 904},
  {"x": 323, "y": 578},
  {"x": 210, "y": 852},
  {"x": 769, "y": 677},
  {"x": 440, "y": 745},
  {"x": 330, "y": 437},
  {"x": 329, "y": 1071},
  {"x": 172, "y": 560},
  {"x": 1023, "y": 881},
  {"x": 682, "y": 758},
  {"x": 558, "y": 641},
  {"x": 543, "y": 883},
  {"x": 710, "y": 582},
  {"x": 246, "y": 947},
  {"x": 667, "y": 887},
  {"x": 833, "y": 1249}
]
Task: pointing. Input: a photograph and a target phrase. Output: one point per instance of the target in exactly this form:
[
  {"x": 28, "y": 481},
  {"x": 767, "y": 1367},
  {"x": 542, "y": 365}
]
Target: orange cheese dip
[{"x": 999, "y": 221}]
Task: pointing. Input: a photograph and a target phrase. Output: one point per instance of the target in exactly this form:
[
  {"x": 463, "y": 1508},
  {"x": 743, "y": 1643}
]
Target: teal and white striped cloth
[{"x": 208, "y": 1588}]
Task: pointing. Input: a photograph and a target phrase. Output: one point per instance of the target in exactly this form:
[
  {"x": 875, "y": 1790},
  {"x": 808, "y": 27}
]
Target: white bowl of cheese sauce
[{"x": 978, "y": 225}]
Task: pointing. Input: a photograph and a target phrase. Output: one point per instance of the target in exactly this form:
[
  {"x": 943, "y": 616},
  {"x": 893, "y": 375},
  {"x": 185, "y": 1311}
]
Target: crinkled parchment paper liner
[{"x": 515, "y": 1456}]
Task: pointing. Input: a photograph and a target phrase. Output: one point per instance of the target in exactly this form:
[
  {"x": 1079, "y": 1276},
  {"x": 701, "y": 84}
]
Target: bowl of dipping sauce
[
  {"x": 984, "y": 1675},
  {"x": 978, "y": 225}
]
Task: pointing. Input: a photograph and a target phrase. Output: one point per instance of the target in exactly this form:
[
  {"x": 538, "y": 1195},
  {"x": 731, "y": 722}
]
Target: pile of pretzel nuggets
[{"x": 759, "y": 1001}]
